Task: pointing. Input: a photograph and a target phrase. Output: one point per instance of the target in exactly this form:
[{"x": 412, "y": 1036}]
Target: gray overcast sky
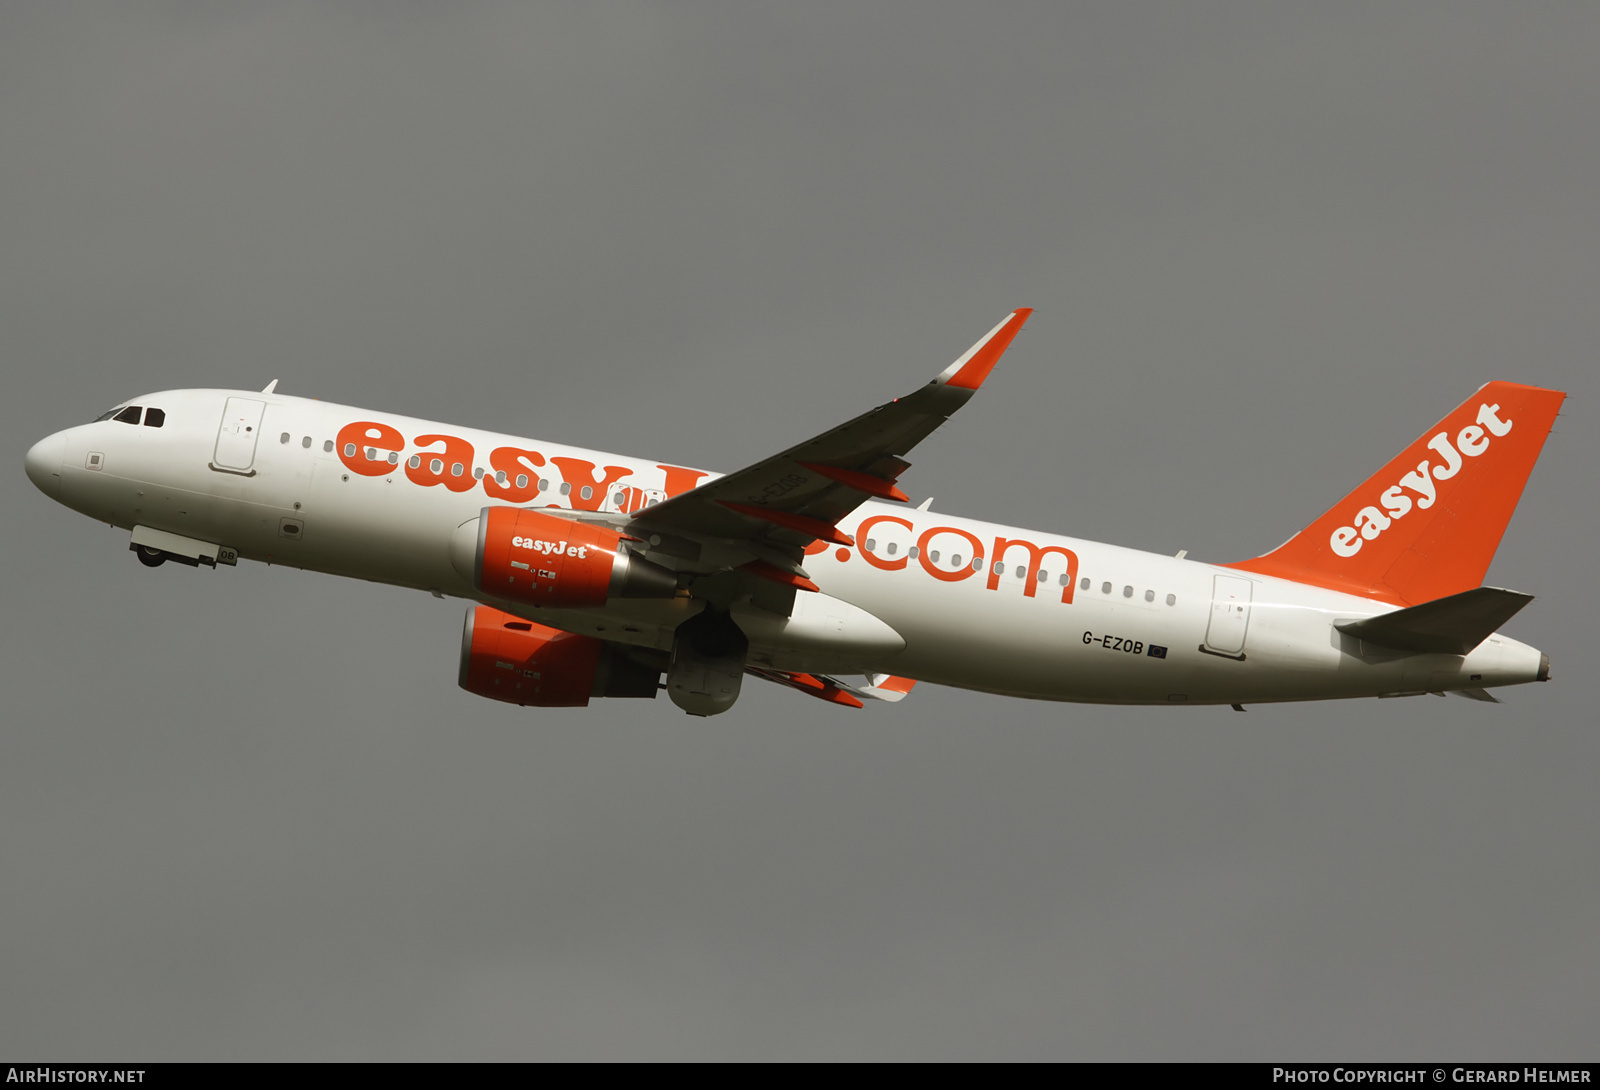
[{"x": 247, "y": 814}]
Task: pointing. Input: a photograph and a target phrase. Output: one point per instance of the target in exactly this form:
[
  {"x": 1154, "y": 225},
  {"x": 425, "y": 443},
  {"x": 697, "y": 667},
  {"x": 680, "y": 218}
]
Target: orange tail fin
[{"x": 1427, "y": 524}]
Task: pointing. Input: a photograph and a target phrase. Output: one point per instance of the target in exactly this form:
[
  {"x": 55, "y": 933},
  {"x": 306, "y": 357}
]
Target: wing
[
  {"x": 884, "y": 686},
  {"x": 781, "y": 504}
]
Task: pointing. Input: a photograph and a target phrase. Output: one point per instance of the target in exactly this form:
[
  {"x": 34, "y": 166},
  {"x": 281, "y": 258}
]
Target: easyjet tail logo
[{"x": 1397, "y": 500}]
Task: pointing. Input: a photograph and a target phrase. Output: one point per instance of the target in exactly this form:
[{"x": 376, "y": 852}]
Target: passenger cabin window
[
  {"x": 327, "y": 446},
  {"x": 130, "y": 415},
  {"x": 154, "y": 418}
]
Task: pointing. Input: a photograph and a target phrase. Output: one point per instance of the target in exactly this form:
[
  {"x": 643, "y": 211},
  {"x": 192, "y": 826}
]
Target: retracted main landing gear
[{"x": 707, "y": 666}]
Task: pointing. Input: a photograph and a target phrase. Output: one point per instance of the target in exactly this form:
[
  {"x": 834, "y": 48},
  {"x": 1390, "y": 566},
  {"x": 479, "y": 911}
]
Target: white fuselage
[{"x": 1129, "y": 627}]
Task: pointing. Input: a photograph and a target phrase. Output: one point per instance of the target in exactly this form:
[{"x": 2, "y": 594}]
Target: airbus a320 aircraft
[{"x": 593, "y": 575}]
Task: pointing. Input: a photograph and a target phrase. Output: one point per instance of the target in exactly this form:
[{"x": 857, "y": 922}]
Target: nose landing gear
[{"x": 152, "y": 557}]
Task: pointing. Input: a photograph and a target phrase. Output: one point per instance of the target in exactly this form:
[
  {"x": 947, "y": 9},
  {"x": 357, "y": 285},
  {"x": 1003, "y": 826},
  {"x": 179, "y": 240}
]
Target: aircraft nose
[{"x": 44, "y": 463}]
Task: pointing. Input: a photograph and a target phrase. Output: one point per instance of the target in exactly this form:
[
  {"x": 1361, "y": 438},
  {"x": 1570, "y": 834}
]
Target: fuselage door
[
  {"x": 1230, "y": 616},
  {"x": 236, "y": 438}
]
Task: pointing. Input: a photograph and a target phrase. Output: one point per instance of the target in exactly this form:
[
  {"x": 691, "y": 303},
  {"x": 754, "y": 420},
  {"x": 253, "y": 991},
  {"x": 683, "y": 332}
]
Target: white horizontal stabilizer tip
[
  {"x": 887, "y": 687},
  {"x": 974, "y": 366}
]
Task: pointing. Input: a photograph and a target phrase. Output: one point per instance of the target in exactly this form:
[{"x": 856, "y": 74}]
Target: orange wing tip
[
  {"x": 839, "y": 696},
  {"x": 971, "y": 369},
  {"x": 800, "y": 524},
  {"x": 862, "y": 482},
  {"x": 775, "y": 574},
  {"x": 895, "y": 684}
]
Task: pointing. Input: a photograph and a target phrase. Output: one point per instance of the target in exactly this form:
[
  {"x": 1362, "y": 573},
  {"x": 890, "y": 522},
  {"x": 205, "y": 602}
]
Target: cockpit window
[
  {"x": 154, "y": 418},
  {"x": 108, "y": 414},
  {"x": 130, "y": 415}
]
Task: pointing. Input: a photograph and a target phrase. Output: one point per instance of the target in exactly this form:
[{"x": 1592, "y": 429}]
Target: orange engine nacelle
[
  {"x": 544, "y": 560},
  {"x": 507, "y": 658}
]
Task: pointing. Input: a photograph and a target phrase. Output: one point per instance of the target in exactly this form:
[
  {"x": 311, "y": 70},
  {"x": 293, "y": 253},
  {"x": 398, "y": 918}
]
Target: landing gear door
[
  {"x": 237, "y": 435},
  {"x": 1230, "y": 616}
]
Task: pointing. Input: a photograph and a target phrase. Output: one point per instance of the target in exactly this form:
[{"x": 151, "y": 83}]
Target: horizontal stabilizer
[
  {"x": 1477, "y": 694},
  {"x": 1448, "y": 626},
  {"x": 887, "y": 687}
]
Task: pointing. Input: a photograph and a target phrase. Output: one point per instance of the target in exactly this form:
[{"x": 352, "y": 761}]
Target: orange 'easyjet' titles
[
  {"x": 356, "y": 439},
  {"x": 456, "y": 470},
  {"x": 451, "y": 467}
]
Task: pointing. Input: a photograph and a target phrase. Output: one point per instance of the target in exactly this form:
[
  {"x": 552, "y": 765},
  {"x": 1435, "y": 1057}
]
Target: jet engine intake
[
  {"x": 544, "y": 560},
  {"x": 507, "y": 658}
]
